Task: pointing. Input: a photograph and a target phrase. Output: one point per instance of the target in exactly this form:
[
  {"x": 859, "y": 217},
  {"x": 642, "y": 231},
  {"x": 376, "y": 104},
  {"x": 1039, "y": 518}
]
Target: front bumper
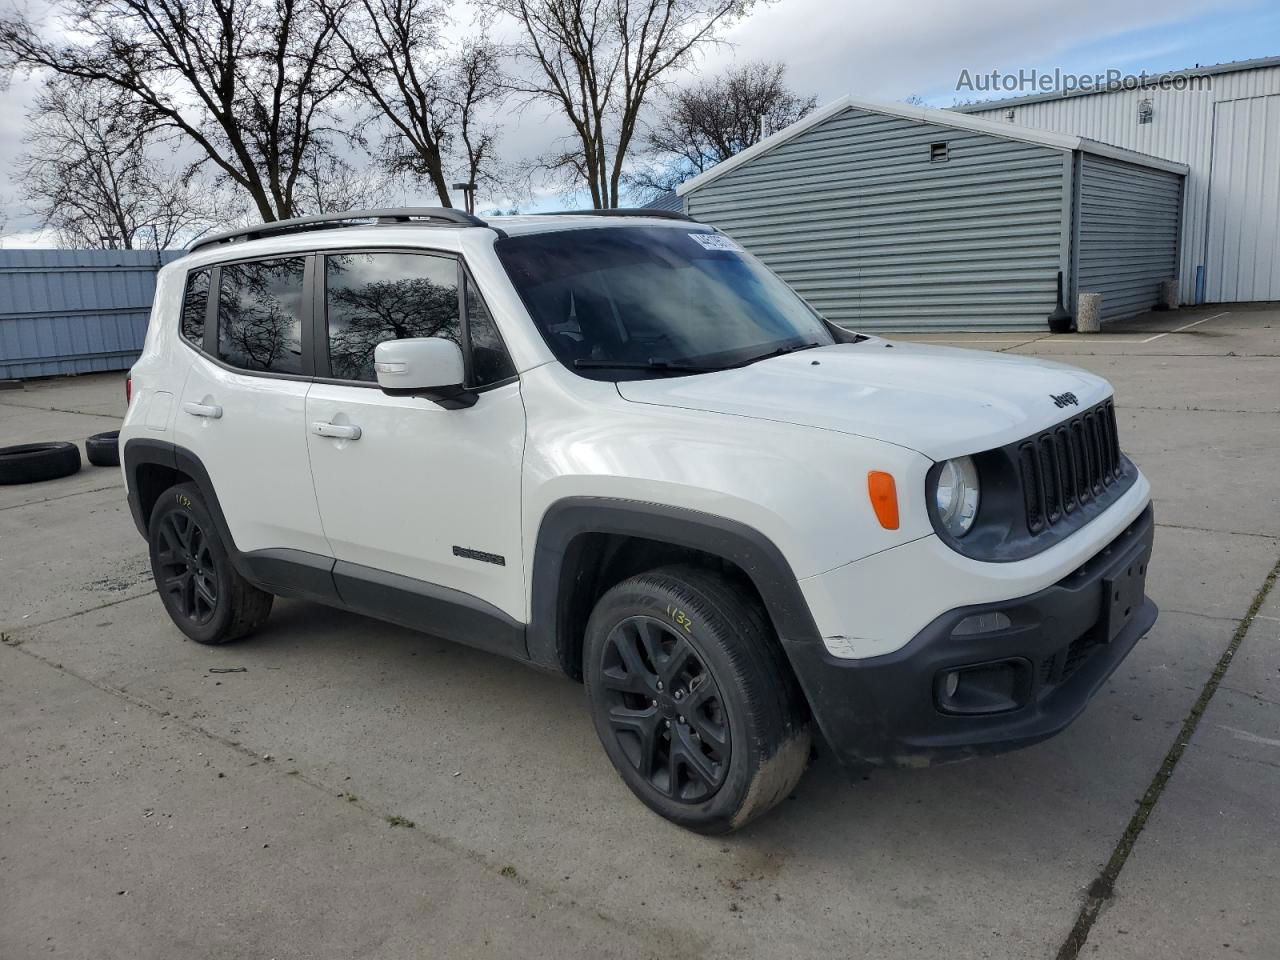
[{"x": 1027, "y": 681}]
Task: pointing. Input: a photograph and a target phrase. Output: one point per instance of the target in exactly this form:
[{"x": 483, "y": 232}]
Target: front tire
[
  {"x": 693, "y": 699},
  {"x": 204, "y": 595}
]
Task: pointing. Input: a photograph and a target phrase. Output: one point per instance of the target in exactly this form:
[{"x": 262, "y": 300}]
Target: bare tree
[
  {"x": 598, "y": 62},
  {"x": 90, "y": 173},
  {"x": 427, "y": 100},
  {"x": 246, "y": 81},
  {"x": 329, "y": 184},
  {"x": 709, "y": 122}
]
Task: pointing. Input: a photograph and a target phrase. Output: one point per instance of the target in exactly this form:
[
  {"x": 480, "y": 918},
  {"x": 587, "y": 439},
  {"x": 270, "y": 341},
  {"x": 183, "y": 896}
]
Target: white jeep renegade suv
[{"x": 620, "y": 448}]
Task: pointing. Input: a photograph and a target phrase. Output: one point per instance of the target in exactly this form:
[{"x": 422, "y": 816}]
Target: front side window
[
  {"x": 260, "y": 315},
  {"x": 618, "y": 302},
  {"x": 195, "y": 305},
  {"x": 372, "y": 297}
]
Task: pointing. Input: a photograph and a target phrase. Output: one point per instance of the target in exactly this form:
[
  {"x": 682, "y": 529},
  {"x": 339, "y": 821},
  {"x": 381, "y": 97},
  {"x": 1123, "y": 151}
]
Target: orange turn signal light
[{"x": 884, "y": 498}]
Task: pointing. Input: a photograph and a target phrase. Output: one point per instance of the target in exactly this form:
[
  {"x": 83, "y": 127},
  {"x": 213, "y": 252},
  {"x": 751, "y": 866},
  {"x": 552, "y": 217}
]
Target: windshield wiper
[
  {"x": 652, "y": 363},
  {"x": 776, "y": 353}
]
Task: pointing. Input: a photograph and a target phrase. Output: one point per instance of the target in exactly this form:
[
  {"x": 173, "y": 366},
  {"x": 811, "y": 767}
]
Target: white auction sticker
[{"x": 715, "y": 241}]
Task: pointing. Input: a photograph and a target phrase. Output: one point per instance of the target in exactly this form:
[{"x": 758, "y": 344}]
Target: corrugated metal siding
[
  {"x": 1181, "y": 129},
  {"x": 855, "y": 215},
  {"x": 1242, "y": 255},
  {"x": 1127, "y": 233},
  {"x": 670, "y": 201},
  {"x": 74, "y": 311}
]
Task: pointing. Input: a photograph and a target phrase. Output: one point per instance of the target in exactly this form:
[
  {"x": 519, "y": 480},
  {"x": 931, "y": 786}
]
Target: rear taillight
[{"x": 128, "y": 390}]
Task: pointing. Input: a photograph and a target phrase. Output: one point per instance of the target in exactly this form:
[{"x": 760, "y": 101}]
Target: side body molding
[{"x": 555, "y": 569}]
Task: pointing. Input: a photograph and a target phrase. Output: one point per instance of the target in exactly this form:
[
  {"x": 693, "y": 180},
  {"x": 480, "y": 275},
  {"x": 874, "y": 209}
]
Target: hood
[{"x": 940, "y": 401}]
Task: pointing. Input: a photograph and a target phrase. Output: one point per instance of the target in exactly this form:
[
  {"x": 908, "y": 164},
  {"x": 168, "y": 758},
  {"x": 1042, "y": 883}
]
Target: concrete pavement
[{"x": 526, "y": 842}]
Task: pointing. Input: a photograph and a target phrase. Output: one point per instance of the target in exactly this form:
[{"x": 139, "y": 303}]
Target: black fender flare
[
  {"x": 745, "y": 547},
  {"x": 290, "y": 573}
]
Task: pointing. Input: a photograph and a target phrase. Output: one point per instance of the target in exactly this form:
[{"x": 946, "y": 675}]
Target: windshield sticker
[{"x": 715, "y": 241}]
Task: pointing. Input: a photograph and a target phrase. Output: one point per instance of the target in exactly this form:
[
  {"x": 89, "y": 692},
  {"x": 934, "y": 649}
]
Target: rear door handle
[
  {"x": 339, "y": 431},
  {"x": 210, "y": 410}
]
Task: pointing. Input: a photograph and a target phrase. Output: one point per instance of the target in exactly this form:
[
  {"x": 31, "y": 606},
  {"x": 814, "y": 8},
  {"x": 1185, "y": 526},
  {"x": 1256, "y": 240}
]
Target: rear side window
[
  {"x": 260, "y": 315},
  {"x": 490, "y": 362},
  {"x": 372, "y": 297},
  {"x": 195, "y": 305}
]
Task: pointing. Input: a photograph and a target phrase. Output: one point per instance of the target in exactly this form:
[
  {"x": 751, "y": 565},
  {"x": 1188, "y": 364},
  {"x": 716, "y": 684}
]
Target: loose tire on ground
[
  {"x": 103, "y": 449},
  {"x": 204, "y": 595},
  {"x": 683, "y": 672},
  {"x": 32, "y": 462}
]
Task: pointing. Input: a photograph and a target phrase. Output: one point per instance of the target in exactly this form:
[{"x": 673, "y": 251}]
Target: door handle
[
  {"x": 339, "y": 431},
  {"x": 210, "y": 410}
]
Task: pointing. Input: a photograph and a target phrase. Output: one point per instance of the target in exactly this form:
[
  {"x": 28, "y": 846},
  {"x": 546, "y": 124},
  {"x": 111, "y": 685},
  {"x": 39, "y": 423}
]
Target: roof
[
  {"x": 1233, "y": 66},
  {"x": 944, "y": 118}
]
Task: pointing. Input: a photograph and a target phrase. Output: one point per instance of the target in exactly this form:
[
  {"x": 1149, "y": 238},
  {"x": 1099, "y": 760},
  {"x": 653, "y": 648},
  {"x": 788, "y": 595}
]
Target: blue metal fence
[{"x": 74, "y": 311}]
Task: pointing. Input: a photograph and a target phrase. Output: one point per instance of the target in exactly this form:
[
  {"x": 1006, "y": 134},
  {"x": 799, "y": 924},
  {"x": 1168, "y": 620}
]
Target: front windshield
[{"x": 654, "y": 300}]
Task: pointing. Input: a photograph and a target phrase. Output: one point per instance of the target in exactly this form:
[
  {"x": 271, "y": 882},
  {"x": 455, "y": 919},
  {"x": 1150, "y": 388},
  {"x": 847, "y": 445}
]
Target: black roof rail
[
  {"x": 622, "y": 212},
  {"x": 388, "y": 215}
]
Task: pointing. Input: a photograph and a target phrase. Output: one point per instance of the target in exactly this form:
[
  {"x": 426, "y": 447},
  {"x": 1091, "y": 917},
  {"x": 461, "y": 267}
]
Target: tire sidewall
[
  {"x": 185, "y": 498},
  {"x": 709, "y": 634}
]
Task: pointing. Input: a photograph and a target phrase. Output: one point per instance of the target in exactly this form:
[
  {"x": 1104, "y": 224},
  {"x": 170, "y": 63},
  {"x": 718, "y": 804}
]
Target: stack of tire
[{"x": 33, "y": 462}]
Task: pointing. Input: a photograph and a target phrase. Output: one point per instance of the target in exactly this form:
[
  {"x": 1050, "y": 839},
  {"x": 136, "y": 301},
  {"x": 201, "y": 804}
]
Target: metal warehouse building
[
  {"x": 894, "y": 217},
  {"x": 1223, "y": 122},
  {"x": 74, "y": 311}
]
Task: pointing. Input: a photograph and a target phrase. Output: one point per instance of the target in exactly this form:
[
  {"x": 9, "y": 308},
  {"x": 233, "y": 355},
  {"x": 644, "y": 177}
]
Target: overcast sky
[{"x": 885, "y": 50}]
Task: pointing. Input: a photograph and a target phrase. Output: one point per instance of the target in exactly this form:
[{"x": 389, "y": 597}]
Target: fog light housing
[{"x": 984, "y": 688}]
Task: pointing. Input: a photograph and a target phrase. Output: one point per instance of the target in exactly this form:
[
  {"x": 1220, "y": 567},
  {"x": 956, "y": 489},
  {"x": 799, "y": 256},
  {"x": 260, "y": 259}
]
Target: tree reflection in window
[
  {"x": 195, "y": 303},
  {"x": 260, "y": 315},
  {"x": 373, "y": 297}
]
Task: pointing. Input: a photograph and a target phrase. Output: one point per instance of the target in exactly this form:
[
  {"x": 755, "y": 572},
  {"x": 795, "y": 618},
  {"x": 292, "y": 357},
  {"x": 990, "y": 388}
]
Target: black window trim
[{"x": 315, "y": 320}]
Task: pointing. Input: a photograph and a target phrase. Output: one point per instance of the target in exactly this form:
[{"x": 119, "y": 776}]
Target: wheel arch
[{"x": 581, "y": 550}]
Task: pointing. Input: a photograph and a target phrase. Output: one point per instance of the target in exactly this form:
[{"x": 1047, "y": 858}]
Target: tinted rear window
[
  {"x": 260, "y": 315},
  {"x": 195, "y": 306}
]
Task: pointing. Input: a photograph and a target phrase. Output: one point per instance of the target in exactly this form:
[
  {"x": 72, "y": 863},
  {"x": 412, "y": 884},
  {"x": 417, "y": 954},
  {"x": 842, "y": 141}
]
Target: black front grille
[{"x": 1069, "y": 465}]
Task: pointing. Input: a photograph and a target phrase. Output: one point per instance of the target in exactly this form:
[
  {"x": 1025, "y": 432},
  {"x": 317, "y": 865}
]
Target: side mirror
[{"x": 429, "y": 367}]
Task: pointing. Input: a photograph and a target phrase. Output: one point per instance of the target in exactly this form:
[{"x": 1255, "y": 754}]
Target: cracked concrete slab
[{"x": 1204, "y": 879}]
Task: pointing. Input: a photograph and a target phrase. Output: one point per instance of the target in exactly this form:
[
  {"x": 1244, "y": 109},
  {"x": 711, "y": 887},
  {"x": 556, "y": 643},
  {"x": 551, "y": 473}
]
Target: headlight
[{"x": 956, "y": 495}]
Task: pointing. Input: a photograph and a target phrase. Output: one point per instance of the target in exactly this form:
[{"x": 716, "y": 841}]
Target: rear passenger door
[
  {"x": 242, "y": 411},
  {"x": 427, "y": 495}
]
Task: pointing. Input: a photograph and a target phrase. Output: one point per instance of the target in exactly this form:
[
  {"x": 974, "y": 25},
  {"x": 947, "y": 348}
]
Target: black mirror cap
[{"x": 454, "y": 397}]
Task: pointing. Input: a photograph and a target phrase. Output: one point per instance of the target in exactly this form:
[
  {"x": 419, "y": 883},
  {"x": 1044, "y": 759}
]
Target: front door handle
[
  {"x": 339, "y": 431},
  {"x": 210, "y": 410}
]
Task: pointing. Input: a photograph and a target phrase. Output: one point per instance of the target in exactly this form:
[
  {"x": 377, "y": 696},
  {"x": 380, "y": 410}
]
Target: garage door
[
  {"x": 1127, "y": 233},
  {"x": 1242, "y": 257}
]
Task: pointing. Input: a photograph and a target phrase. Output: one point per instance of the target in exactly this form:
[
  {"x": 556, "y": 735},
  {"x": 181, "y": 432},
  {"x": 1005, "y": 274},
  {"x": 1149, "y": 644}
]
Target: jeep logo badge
[{"x": 1064, "y": 399}]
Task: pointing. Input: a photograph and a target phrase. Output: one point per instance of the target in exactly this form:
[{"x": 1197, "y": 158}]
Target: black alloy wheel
[
  {"x": 185, "y": 568},
  {"x": 665, "y": 709}
]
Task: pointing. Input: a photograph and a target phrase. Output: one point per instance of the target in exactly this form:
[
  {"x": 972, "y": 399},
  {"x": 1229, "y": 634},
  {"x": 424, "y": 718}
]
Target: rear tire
[
  {"x": 693, "y": 698},
  {"x": 204, "y": 595}
]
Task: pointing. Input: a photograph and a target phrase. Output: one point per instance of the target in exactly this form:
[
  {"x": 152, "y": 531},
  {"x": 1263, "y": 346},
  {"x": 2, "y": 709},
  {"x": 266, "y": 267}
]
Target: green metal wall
[{"x": 855, "y": 214}]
